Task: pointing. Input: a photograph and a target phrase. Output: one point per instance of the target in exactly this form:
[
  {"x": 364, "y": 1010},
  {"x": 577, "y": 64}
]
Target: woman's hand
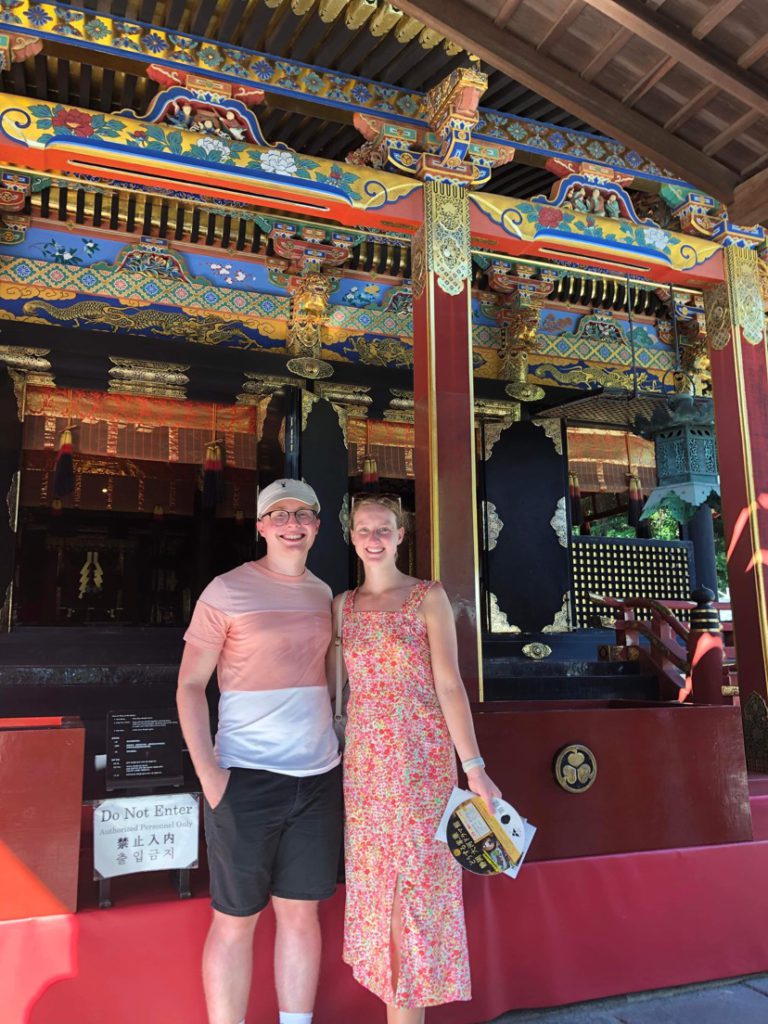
[{"x": 480, "y": 784}]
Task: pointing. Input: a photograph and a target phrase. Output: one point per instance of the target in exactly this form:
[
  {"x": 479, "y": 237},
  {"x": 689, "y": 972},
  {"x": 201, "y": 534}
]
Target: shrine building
[{"x": 505, "y": 261}]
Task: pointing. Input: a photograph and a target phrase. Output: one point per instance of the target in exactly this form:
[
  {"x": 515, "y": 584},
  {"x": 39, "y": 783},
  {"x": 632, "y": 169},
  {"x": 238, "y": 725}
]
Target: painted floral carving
[
  {"x": 550, "y": 216},
  {"x": 70, "y": 121},
  {"x": 279, "y": 161},
  {"x": 76, "y": 122}
]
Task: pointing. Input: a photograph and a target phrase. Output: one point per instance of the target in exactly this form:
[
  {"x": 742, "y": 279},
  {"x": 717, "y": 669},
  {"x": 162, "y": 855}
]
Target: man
[{"x": 272, "y": 784}]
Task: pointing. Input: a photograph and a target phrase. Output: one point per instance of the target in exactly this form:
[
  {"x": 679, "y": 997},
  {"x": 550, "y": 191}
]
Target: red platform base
[{"x": 564, "y": 931}]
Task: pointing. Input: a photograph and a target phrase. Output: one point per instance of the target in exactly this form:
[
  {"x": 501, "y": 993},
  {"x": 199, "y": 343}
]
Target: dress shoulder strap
[
  {"x": 349, "y": 600},
  {"x": 417, "y": 595}
]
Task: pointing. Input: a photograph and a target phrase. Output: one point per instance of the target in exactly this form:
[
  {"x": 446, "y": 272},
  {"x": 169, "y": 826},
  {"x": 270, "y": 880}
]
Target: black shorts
[{"x": 273, "y": 834}]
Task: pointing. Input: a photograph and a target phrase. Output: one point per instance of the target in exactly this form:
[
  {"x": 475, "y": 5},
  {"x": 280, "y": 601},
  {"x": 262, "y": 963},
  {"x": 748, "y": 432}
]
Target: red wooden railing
[{"x": 693, "y": 660}]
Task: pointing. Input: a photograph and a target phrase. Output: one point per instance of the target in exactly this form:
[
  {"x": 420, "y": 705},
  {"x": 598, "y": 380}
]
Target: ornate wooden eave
[
  {"x": 46, "y": 138},
  {"x": 696, "y": 106},
  {"x": 125, "y": 47}
]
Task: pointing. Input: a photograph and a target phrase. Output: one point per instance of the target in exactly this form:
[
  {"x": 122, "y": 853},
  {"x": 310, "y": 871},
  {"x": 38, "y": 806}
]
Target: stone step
[
  {"x": 562, "y": 687},
  {"x": 514, "y": 667}
]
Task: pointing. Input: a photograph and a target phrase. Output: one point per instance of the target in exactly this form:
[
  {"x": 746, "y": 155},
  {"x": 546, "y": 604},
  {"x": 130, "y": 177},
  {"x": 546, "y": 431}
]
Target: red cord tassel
[
  {"x": 370, "y": 474},
  {"x": 577, "y": 516},
  {"x": 635, "y": 506},
  {"x": 213, "y": 475},
  {"x": 63, "y": 470}
]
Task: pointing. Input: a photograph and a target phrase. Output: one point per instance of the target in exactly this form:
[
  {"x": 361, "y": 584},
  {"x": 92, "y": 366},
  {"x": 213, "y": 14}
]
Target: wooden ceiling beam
[
  {"x": 735, "y": 129},
  {"x": 719, "y": 12},
  {"x": 524, "y": 64},
  {"x": 506, "y": 11},
  {"x": 675, "y": 40},
  {"x": 606, "y": 54},
  {"x": 750, "y": 201},
  {"x": 692, "y": 107},
  {"x": 560, "y": 25},
  {"x": 652, "y": 77},
  {"x": 757, "y": 50}
]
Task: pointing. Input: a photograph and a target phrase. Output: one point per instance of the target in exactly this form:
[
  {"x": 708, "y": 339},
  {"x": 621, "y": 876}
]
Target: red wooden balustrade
[{"x": 691, "y": 661}]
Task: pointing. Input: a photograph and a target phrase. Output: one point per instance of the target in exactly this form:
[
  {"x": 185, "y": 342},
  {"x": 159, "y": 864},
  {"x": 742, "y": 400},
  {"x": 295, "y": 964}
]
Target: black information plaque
[{"x": 143, "y": 749}]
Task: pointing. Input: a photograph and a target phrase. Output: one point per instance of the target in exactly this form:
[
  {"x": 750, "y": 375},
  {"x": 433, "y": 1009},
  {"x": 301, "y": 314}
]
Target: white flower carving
[
  {"x": 216, "y": 149},
  {"x": 278, "y": 161},
  {"x": 656, "y": 237}
]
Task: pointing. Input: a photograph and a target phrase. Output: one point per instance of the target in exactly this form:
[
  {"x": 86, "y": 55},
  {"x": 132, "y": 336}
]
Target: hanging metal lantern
[{"x": 683, "y": 432}]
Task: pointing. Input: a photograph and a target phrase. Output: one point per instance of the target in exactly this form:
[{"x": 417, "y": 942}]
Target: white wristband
[{"x": 473, "y": 762}]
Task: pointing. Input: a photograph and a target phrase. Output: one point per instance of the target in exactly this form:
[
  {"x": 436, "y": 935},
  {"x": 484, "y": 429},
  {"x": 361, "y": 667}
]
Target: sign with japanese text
[{"x": 145, "y": 833}]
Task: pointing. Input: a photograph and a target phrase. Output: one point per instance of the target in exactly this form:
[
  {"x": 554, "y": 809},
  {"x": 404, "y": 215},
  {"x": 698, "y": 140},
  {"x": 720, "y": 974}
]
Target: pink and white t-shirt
[{"x": 271, "y": 633}]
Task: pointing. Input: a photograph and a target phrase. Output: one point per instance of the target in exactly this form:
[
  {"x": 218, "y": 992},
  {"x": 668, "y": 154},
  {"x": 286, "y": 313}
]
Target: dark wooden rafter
[
  {"x": 605, "y": 55},
  {"x": 560, "y": 26},
  {"x": 522, "y": 62},
  {"x": 676, "y": 42},
  {"x": 739, "y": 126},
  {"x": 750, "y": 203},
  {"x": 651, "y": 78},
  {"x": 691, "y": 108},
  {"x": 717, "y": 13},
  {"x": 757, "y": 50},
  {"x": 231, "y": 20},
  {"x": 506, "y": 11}
]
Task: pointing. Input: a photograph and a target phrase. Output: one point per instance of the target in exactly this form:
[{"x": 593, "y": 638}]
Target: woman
[{"x": 404, "y": 932}]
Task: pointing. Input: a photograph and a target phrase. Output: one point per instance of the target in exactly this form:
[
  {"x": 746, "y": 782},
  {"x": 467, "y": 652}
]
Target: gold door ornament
[{"x": 537, "y": 651}]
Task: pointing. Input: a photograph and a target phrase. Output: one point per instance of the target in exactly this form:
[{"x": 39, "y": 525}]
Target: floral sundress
[{"x": 399, "y": 770}]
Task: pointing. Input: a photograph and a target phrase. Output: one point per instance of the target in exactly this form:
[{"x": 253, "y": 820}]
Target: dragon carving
[{"x": 202, "y": 330}]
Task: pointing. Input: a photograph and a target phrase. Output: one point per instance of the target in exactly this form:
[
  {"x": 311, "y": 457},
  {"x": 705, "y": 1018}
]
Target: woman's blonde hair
[{"x": 392, "y": 505}]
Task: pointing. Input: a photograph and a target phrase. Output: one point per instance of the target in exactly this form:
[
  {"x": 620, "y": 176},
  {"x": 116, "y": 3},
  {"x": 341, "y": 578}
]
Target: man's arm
[
  {"x": 334, "y": 652},
  {"x": 197, "y": 667}
]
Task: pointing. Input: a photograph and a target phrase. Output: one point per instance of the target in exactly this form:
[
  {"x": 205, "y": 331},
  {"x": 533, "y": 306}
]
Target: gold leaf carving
[
  {"x": 447, "y": 236},
  {"x": 499, "y": 621},
  {"x": 559, "y": 522},
  {"x": 553, "y": 430},
  {"x": 307, "y": 405},
  {"x": 717, "y": 316},
  {"x": 562, "y": 621}
]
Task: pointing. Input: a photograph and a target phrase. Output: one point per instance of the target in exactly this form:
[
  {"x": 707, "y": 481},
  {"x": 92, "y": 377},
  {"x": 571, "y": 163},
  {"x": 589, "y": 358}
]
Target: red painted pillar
[
  {"x": 737, "y": 343},
  {"x": 444, "y": 459}
]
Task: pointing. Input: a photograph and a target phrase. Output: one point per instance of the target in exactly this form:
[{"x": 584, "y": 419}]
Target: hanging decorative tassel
[
  {"x": 635, "y": 506},
  {"x": 213, "y": 475},
  {"x": 577, "y": 516},
  {"x": 370, "y": 479},
  {"x": 370, "y": 474},
  {"x": 63, "y": 470}
]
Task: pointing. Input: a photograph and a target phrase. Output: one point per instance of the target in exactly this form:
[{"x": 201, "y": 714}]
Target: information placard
[
  {"x": 143, "y": 749},
  {"x": 145, "y": 833}
]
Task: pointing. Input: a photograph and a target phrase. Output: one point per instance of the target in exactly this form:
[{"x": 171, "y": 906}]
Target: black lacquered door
[
  {"x": 527, "y": 578},
  {"x": 10, "y": 448},
  {"x": 324, "y": 465}
]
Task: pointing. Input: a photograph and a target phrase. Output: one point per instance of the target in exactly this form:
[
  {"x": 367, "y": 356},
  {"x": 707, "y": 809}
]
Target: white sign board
[{"x": 145, "y": 833}]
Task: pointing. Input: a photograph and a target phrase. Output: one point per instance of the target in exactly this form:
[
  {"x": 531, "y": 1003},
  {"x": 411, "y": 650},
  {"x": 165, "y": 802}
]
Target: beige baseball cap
[{"x": 280, "y": 489}]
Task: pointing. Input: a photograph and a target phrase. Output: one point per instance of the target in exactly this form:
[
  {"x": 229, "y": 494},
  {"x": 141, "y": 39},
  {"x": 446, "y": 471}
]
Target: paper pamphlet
[{"x": 483, "y": 843}]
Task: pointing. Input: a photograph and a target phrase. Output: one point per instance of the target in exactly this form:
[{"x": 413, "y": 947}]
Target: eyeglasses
[{"x": 281, "y": 516}]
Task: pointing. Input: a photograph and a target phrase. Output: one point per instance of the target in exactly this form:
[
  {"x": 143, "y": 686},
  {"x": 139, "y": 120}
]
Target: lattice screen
[{"x": 625, "y": 567}]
